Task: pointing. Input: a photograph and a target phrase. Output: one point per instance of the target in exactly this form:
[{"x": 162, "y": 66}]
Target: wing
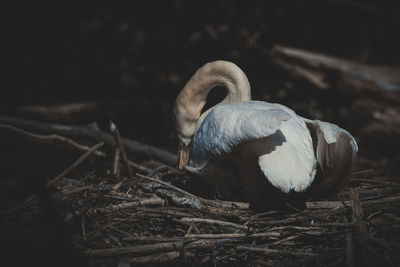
[
  {"x": 229, "y": 125},
  {"x": 292, "y": 165},
  {"x": 336, "y": 153}
]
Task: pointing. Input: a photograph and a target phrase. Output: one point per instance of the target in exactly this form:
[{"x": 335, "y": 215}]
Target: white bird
[{"x": 263, "y": 151}]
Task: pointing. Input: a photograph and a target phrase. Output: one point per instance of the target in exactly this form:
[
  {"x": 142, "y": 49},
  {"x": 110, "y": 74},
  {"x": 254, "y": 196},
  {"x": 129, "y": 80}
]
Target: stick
[
  {"x": 84, "y": 188},
  {"x": 75, "y": 164},
  {"x": 70, "y": 142},
  {"x": 315, "y": 68},
  {"x": 139, "y": 167},
  {"x": 234, "y": 235},
  {"x": 349, "y": 249},
  {"x": 83, "y": 228},
  {"x": 361, "y": 226},
  {"x": 156, "y": 239},
  {"x": 139, "y": 249},
  {"x": 117, "y": 138},
  {"x": 216, "y": 236},
  {"x": 363, "y": 171},
  {"x": 60, "y": 110},
  {"x": 139, "y": 202},
  {"x": 325, "y": 204},
  {"x": 52, "y": 138},
  {"x": 156, "y": 258},
  {"x": 116, "y": 161},
  {"x": 85, "y": 131},
  {"x": 167, "y": 211},
  {"x": 70, "y": 168},
  {"x": 358, "y": 213},
  {"x": 215, "y": 222},
  {"x": 213, "y": 203},
  {"x": 269, "y": 251}
]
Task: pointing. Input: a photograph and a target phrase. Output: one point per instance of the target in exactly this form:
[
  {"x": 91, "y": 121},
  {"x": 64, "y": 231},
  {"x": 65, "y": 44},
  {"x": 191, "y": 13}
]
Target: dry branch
[
  {"x": 131, "y": 146},
  {"x": 159, "y": 258},
  {"x": 276, "y": 251},
  {"x": 75, "y": 164},
  {"x": 116, "y": 161},
  {"x": 140, "y": 249},
  {"x": 52, "y": 138},
  {"x": 358, "y": 213},
  {"x": 139, "y": 202},
  {"x": 117, "y": 139},
  {"x": 349, "y": 249},
  {"x": 205, "y": 202},
  {"x": 215, "y": 222},
  {"x": 317, "y": 69}
]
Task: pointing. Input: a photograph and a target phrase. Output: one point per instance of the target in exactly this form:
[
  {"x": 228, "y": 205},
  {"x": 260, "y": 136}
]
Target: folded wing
[
  {"x": 227, "y": 126},
  {"x": 336, "y": 153}
]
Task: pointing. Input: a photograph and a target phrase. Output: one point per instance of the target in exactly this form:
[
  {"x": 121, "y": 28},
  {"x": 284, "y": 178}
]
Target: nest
[
  {"x": 151, "y": 218},
  {"x": 127, "y": 213}
]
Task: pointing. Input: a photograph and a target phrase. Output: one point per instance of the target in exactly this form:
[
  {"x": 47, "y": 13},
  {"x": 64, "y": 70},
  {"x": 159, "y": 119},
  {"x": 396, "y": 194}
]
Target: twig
[
  {"x": 84, "y": 188},
  {"x": 215, "y": 222},
  {"x": 325, "y": 204},
  {"x": 116, "y": 161},
  {"x": 382, "y": 200},
  {"x": 167, "y": 211},
  {"x": 70, "y": 168},
  {"x": 117, "y": 139},
  {"x": 157, "y": 170},
  {"x": 358, "y": 213},
  {"x": 216, "y": 236},
  {"x": 337, "y": 224},
  {"x": 156, "y": 239},
  {"x": 139, "y": 167},
  {"x": 139, "y": 202},
  {"x": 349, "y": 247},
  {"x": 265, "y": 234},
  {"x": 139, "y": 249},
  {"x": 234, "y": 235},
  {"x": 52, "y": 138},
  {"x": 60, "y": 110},
  {"x": 361, "y": 226},
  {"x": 85, "y": 131},
  {"x": 363, "y": 172},
  {"x": 284, "y": 240},
  {"x": 75, "y": 164},
  {"x": 213, "y": 203},
  {"x": 276, "y": 251},
  {"x": 83, "y": 227},
  {"x": 159, "y": 258}
]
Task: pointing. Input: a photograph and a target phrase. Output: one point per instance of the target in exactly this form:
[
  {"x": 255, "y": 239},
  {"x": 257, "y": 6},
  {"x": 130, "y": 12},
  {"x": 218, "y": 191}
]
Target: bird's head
[
  {"x": 186, "y": 120},
  {"x": 188, "y": 107}
]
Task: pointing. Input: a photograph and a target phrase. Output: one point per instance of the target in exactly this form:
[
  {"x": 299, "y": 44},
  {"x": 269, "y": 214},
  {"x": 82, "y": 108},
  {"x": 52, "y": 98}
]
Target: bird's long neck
[{"x": 193, "y": 96}]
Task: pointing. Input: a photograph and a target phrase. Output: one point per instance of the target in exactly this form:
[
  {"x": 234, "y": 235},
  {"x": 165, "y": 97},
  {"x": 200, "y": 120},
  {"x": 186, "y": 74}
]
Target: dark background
[{"x": 130, "y": 62}]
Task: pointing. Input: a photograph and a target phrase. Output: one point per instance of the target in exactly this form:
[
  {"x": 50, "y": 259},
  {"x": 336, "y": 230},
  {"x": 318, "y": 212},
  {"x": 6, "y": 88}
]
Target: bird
[{"x": 261, "y": 151}]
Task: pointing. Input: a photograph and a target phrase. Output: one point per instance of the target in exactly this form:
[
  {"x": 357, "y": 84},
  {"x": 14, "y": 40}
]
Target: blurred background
[{"x": 89, "y": 63}]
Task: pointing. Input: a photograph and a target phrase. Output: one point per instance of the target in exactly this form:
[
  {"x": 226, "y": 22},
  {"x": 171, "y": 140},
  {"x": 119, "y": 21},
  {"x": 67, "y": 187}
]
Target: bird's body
[{"x": 267, "y": 153}]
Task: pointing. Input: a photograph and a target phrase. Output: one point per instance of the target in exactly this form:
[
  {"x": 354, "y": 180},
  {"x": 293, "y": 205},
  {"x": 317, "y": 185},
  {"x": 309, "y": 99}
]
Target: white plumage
[{"x": 261, "y": 150}]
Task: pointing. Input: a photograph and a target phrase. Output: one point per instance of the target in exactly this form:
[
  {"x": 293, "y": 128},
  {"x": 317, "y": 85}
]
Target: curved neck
[{"x": 193, "y": 96}]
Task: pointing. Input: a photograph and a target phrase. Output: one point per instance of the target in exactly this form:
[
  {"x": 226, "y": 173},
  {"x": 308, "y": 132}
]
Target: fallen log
[{"x": 324, "y": 71}]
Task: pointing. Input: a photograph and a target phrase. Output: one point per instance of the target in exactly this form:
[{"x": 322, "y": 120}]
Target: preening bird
[{"x": 263, "y": 151}]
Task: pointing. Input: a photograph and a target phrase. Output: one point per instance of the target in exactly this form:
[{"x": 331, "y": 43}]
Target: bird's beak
[{"x": 184, "y": 152}]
